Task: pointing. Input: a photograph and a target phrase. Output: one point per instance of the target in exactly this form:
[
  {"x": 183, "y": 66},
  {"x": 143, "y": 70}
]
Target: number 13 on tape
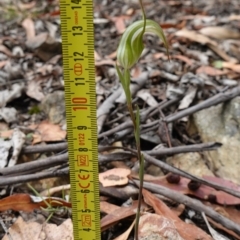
[{"x": 80, "y": 97}]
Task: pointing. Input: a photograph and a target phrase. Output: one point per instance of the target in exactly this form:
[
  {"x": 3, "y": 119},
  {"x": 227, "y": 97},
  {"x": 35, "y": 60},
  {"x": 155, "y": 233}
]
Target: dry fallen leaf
[
  {"x": 26, "y": 202},
  {"x": 34, "y": 88},
  {"x": 44, "y": 45},
  {"x": 211, "y": 71},
  {"x": 202, "y": 39},
  {"x": 6, "y": 134},
  {"x": 34, "y": 231},
  {"x": 8, "y": 114},
  {"x": 220, "y": 32},
  {"x": 145, "y": 95},
  {"x": 120, "y": 214},
  {"x": 188, "y": 98},
  {"x": 28, "y": 25},
  {"x": 119, "y": 23},
  {"x": 106, "y": 207},
  {"x": 105, "y": 62},
  {"x": 114, "y": 177},
  {"x": 204, "y": 191},
  {"x": 4, "y": 152},
  {"x": 18, "y": 139},
  {"x": 184, "y": 59},
  {"x": 3, "y": 63},
  {"x": 229, "y": 65},
  {"x": 5, "y": 50},
  {"x": 195, "y": 36},
  {"x": 153, "y": 226},
  {"x": 234, "y": 17},
  {"x": 8, "y": 95},
  {"x": 47, "y": 132},
  {"x": 186, "y": 231},
  {"x": 26, "y": 6}
]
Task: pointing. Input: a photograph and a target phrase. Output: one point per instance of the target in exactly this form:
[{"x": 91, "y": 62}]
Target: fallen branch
[
  {"x": 219, "y": 98},
  {"x": 192, "y": 203},
  {"x": 188, "y": 175},
  {"x": 45, "y": 148}
]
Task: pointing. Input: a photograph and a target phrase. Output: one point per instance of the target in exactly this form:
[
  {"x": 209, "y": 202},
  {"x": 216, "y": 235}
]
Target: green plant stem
[
  {"x": 140, "y": 156},
  {"x": 129, "y": 52},
  {"x": 141, "y": 161}
]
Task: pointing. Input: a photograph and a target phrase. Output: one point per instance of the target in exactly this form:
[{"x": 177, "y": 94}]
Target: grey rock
[{"x": 221, "y": 123}]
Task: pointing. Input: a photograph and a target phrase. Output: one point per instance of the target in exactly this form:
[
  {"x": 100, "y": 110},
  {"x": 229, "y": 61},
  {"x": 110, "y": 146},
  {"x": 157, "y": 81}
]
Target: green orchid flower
[{"x": 131, "y": 45}]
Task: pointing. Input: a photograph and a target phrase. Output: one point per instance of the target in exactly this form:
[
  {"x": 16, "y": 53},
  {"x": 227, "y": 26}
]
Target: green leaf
[
  {"x": 131, "y": 44},
  {"x": 125, "y": 80}
]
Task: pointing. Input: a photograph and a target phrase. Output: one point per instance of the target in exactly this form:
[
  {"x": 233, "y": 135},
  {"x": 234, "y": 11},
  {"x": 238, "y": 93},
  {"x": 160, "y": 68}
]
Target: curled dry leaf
[
  {"x": 18, "y": 139},
  {"x": 28, "y": 25},
  {"x": 45, "y": 46},
  {"x": 34, "y": 89},
  {"x": 188, "y": 98},
  {"x": 120, "y": 23},
  {"x": 114, "y": 177},
  {"x": 195, "y": 36},
  {"x": 8, "y": 95},
  {"x": 145, "y": 95},
  {"x": 16, "y": 143},
  {"x": 220, "y": 32},
  {"x": 26, "y": 6},
  {"x": 4, "y": 152}
]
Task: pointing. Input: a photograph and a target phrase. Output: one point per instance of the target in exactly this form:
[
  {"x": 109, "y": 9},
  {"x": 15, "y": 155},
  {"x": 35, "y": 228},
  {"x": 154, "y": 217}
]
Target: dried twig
[
  {"x": 45, "y": 148},
  {"x": 32, "y": 177},
  {"x": 33, "y": 166}
]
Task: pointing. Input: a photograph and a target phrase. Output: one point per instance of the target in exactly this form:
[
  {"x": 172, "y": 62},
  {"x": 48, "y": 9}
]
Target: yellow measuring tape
[{"x": 79, "y": 77}]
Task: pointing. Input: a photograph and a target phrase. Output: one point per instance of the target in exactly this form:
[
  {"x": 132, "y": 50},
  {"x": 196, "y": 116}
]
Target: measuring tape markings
[{"x": 79, "y": 78}]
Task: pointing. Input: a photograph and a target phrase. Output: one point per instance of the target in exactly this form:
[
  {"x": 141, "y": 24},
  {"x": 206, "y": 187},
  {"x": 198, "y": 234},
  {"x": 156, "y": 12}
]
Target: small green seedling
[
  {"x": 128, "y": 53},
  {"x": 51, "y": 210}
]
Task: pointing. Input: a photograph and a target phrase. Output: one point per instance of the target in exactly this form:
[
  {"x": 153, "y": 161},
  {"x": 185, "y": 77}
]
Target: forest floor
[{"x": 190, "y": 121}]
